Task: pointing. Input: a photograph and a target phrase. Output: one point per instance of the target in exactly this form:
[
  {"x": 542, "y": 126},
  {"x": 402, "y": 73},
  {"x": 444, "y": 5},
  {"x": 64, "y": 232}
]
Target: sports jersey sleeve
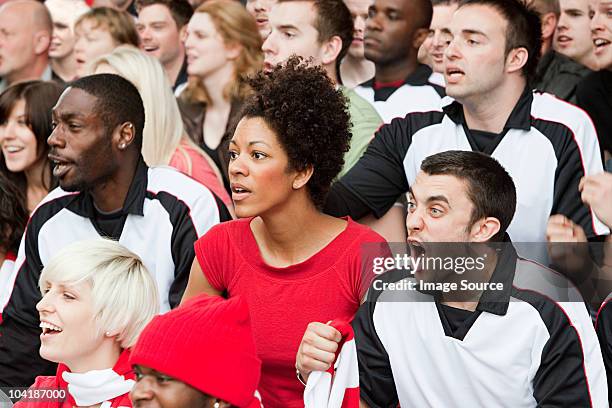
[
  {"x": 376, "y": 383},
  {"x": 377, "y": 179},
  {"x": 579, "y": 157},
  {"x": 603, "y": 327},
  {"x": 571, "y": 371},
  {"x": 206, "y": 212},
  {"x": 19, "y": 334}
]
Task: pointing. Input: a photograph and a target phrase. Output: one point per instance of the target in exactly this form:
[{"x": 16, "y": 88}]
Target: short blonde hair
[
  {"x": 124, "y": 294},
  {"x": 119, "y": 24}
]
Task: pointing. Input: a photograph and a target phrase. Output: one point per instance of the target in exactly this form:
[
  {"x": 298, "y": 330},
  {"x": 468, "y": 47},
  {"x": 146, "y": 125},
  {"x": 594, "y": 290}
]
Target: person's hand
[
  {"x": 569, "y": 258},
  {"x": 597, "y": 193},
  {"x": 317, "y": 350},
  {"x": 562, "y": 229}
]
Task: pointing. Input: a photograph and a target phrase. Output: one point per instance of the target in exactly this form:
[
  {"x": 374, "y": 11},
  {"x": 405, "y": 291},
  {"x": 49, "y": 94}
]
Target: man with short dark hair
[
  {"x": 322, "y": 31},
  {"x": 545, "y": 144},
  {"x": 106, "y": 189},
  {"x": 162, "y": 25},
  {"x": 25, "y": 37},
  {"x": 515, "y": 341},
  {"x": 432, "y": 49},
  {"x": 469, "y": 324},
  {"x": 557, "y": 74},
  {"x": 394, "y": 32}
]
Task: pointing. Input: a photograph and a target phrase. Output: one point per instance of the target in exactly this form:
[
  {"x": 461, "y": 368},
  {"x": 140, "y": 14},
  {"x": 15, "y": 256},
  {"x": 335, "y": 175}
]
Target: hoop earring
[{"x": 216, "y": 405}]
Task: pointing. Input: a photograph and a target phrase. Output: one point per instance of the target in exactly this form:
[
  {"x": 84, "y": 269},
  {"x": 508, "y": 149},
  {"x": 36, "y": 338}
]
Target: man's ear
[
  {"x": 125, "y": 135},
  {"x": 183, "y": 34},
  {"x": 419, "y": 36},
  {"x": 331, "y": 50},
  {"x": 516, "y": 59},
  {"x": 484, "y": 229},
  {"x": 42, "y": 41},
  {"x": 302, "y": 177}
]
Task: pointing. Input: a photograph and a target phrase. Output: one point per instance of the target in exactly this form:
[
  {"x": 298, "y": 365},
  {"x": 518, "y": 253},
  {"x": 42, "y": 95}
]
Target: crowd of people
[{"x": 196, "y": 198}]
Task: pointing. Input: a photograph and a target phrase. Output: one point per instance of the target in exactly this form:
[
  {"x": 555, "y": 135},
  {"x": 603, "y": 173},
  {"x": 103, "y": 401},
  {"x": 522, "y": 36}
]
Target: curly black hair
[
  {"x": 309, "y": 116},
  {"x": 13, "y": 214}
]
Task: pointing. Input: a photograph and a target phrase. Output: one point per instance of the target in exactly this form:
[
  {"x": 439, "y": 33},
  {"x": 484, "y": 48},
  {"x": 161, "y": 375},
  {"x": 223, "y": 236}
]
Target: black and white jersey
[
  {"x": 547, "y": 146},
  {"x": 417, "y": 93},
  {"x": 164, "y": 213},
  {"x": 521, "y": 347}
]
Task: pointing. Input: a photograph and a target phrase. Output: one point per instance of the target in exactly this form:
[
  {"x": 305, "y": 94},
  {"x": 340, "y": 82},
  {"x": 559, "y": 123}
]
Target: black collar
[
  {"x": 82, "y": 203},
  {"x": 420, "y": 76},
  {"x": 520, "y": 117},
  {"x": 497, "y": 301},
  {"x": 182, "y": 76}
]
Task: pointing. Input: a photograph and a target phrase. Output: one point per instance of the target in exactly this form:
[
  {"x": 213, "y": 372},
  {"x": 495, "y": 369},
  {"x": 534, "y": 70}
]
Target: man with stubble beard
[{"x": 106, "y": 189}]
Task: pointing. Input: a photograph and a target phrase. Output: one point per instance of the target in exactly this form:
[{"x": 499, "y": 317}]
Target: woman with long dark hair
[{"x": 25, "y": 125}]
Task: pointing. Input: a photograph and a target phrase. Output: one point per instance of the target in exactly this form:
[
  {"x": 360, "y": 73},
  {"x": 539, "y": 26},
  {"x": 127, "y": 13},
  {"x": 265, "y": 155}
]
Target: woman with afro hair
[{"x": 296, "y": 267}]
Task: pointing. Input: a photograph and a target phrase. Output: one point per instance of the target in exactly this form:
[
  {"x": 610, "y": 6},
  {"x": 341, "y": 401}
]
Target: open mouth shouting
[
  {"x": 61, "y": 166},
  {"x": 453, "y": 75}
]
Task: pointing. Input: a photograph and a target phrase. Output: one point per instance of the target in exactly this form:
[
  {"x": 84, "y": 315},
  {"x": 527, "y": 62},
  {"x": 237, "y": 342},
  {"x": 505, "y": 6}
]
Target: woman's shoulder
[
  {"x": 228, "y": 230},
  {"x": 362, "y": 233}
]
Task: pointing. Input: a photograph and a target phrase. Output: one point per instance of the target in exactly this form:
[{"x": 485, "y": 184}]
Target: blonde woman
[
  {"x": 100, "y": 31},
  {"x": 223, "y": 47},
  {"x": 97, "y": 298},
  {"x": 164, "y": 139}
]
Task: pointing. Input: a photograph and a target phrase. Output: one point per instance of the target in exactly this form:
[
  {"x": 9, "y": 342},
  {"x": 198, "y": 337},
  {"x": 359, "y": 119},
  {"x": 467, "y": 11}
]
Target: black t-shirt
[
  {"x": 454, "y": 317},
  {"x": 109, "y": 224},
  {"x": 482, "y": 141},
  {"x": 594, "y": 95}
]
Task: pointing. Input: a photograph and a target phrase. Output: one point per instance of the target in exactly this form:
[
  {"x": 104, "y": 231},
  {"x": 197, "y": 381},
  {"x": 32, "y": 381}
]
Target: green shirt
[{"x": 365, "y": 121}]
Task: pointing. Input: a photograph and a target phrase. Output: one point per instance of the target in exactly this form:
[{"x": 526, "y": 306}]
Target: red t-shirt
[{"x": 282, "y": 301}]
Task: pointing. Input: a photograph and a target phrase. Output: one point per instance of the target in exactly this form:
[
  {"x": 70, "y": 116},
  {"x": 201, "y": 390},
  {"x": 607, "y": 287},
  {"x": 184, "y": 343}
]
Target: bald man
[{"x": 25, "y": 37}]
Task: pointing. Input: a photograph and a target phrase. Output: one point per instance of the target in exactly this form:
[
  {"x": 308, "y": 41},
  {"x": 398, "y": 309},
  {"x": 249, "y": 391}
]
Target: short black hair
[
  {"x": 13, "y": 214},
  {"x": 333, "y": 18},
  {"x": 309, "y": 116},
  {"x": 489, "y": 186},
  {"x": 524, "y": 30},
  {"x": 180, "y": 10},
  {"x": 118, "y": 101}
]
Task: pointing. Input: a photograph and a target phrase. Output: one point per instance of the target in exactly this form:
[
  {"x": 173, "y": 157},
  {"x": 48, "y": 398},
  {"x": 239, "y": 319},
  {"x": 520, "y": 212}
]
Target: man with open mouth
[
  {"x": 557, "y": 73},
  {"x": 514, "y": 341},
  {"x": 106, "y": 189},
  {"x": 594, "y": 93},
  {"x": 162, "y": 26},
  {"x": 490, "y": 67}
]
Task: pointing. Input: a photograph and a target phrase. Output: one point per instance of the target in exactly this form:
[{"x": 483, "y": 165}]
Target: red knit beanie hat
[{"x": 206, "y": 343}]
